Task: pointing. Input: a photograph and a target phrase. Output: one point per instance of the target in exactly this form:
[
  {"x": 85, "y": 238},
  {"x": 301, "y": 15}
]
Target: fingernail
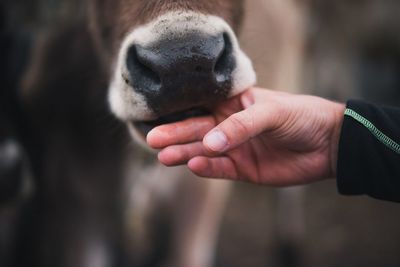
[{"x": 216, "y": 141}]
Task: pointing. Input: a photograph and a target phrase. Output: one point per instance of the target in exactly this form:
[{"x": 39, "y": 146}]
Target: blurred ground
[
  {"x": 352, "y": 50},
  {"x": 339, "y": 231}
]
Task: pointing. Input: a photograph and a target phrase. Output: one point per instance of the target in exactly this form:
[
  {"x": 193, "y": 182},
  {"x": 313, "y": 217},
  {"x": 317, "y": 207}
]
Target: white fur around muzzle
[{"x": 129, "y": 105}]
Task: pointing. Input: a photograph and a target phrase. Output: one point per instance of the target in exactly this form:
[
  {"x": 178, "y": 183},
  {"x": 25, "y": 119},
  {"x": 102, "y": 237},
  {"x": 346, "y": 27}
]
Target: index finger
[{"x": 181, "y": 132}]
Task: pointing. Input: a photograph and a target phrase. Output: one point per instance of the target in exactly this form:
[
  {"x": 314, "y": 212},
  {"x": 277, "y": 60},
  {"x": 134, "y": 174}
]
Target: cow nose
[{"x": 181, "y": 72}]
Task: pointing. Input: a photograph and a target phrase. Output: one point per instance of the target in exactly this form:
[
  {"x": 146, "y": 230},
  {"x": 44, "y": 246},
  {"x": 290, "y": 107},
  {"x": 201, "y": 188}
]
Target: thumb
[{"x": 239, "y": 128}]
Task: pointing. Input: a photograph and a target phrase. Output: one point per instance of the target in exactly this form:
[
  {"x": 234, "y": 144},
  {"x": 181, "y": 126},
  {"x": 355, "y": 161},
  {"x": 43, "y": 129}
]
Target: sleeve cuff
[{"x": 368, "y": 155}]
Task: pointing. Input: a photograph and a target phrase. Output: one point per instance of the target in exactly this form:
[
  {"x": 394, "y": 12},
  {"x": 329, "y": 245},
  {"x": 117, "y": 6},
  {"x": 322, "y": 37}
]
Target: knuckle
[{"x": 242, "y": 122}]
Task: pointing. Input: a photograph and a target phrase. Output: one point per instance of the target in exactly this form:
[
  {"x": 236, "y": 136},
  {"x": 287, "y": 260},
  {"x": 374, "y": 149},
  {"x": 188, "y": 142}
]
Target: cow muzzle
[{"x": 176, "y": 67}]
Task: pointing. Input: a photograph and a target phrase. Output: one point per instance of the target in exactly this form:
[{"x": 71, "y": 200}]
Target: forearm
[{"x": 369, "y": 154}]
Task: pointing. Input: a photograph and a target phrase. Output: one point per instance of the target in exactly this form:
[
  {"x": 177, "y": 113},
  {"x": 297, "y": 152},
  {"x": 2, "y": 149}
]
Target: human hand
[{"x": 261, "y": 136}]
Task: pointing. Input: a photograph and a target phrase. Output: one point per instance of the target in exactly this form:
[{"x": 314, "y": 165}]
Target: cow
[
  {"x": 101, "y": 199},
  {"x": 170, "y": 60}
]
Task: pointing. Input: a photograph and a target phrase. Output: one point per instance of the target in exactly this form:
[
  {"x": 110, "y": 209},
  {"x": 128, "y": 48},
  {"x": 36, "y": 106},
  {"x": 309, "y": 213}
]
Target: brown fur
[{"x": 110, "y": 20}]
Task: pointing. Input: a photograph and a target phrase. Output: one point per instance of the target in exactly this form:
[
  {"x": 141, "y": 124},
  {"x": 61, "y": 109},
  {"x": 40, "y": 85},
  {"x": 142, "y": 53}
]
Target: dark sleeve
[{"x": 369, "y": 151}]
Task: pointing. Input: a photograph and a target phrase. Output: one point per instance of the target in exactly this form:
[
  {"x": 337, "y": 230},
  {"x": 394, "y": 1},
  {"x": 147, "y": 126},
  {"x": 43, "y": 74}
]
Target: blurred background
[{"x": 336, "y": 49}]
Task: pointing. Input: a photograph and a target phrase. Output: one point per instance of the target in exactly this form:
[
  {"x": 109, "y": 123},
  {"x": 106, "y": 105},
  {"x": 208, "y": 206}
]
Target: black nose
[{"x": 181, "y": 72}]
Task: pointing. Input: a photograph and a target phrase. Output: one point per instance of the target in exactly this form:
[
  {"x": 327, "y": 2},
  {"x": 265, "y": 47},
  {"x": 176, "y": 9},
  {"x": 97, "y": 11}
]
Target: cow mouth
[{"x": 144, "y": 127}]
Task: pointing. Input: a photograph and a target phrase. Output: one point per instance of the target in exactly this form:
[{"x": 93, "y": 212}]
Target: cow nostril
[
  {"x": 224, "y": 65},
  {"x": 141, "y": 72}
]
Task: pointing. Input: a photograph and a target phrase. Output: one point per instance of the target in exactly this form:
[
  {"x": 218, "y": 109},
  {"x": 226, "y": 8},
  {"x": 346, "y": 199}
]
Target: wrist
[{"x": 335, "y": 137}]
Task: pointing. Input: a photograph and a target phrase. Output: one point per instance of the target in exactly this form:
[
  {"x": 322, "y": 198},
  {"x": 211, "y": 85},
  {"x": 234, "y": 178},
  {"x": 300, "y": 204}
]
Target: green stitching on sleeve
[{"x": 375, "y": 131}]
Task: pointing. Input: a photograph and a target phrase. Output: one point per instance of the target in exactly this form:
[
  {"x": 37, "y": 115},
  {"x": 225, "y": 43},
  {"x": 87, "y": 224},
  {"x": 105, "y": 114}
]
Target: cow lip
[{"x": 145, "y": 127}]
